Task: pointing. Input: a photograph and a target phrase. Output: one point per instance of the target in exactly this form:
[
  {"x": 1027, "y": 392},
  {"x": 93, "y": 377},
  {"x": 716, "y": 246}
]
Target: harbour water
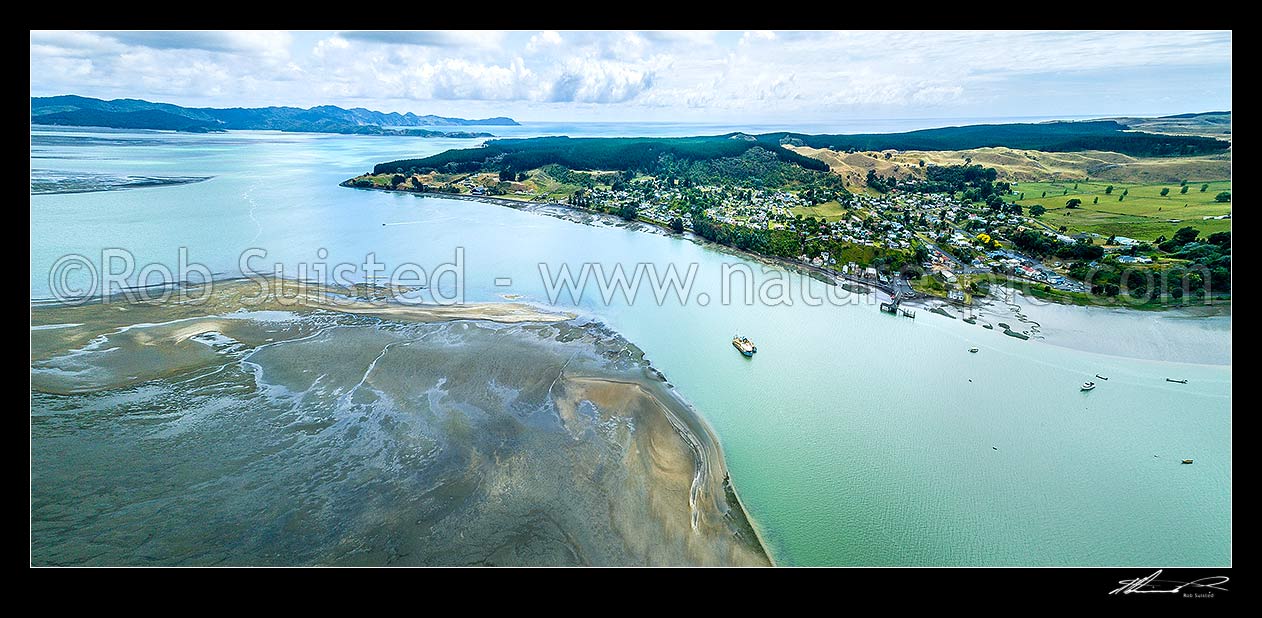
[{"x": 854, "y": 437}]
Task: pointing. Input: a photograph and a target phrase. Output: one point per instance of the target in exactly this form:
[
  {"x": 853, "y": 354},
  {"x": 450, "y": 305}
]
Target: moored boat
[
  {"x": 1101, "y": 377},
  {"x": 1086, "y": 386},
  {"x": 1187, "y": 461},
  {"x": 744, "y": 345},
  {"x": 973, "y": 350},
  {"x": 1176, "y": 381}
]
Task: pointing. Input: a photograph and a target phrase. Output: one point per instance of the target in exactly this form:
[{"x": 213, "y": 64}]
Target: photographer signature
[{"x": 1152, "y": 584}]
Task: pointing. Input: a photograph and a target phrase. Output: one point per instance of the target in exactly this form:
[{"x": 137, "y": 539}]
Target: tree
[
  {"x": 1037, "y": 210},
  {"x": 1023, "y": 195},
  {"x": 1108, "y": 190},
  {"x": 1183, "y": 183},
  {"x": 1225, "y": 196},
  {"x": 506, "y": 175},
  {"x": 1065, "y": 192},
  {"x": 1122, "y": 197},
  {"x": 1073, "y": 203},
  {"x": 1126, "y": 191},
  {"x": 1095, "y": 200},
  {"x": 1184, "y": 188},
  {"x": 921, "y": 163},
  {"x": 677, "y": 225},
  {"x": 397, "y": 180},
  {"x": 1045, "y": 194},
  {"x": 1204, "y": 187},
  {"x": 1185, "y": 235},
  {"x": 1165, "y": 191}
]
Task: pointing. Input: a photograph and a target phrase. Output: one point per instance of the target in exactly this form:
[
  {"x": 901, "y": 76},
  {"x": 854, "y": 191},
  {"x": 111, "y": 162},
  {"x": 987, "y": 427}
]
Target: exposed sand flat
[
  {"x": 145, "y": 319},
  {"x": 680, "y": 471},
  {"x": 487, "y": 434},
  {"x": 505, "y": 313}
]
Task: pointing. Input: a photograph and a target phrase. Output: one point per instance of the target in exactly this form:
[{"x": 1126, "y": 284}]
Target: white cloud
[
  {"x": 757, "y": 35},
  {"x": 543, "y": 40},
  {"x": 631, "y": 74},
  {"x": 691, "y": 37},
  {"x": 270, "y": 43},
  {"x": 431, "y": 38},
  {"x": 598, "y": 81}
]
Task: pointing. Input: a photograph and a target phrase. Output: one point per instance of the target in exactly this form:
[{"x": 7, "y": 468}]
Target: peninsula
[{"x": 1074, "y": 212}]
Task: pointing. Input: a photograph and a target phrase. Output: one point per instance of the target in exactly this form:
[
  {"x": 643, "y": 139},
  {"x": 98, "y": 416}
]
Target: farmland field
[
  {"x": 828, "y": 211},
  {"x": 1143, "y": 214}
]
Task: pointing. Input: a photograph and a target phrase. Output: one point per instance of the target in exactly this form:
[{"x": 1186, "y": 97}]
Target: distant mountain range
[{"x": 137, "y": 114}]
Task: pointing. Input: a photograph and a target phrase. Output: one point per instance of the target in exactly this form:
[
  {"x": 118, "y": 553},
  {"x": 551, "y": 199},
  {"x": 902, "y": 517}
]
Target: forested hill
[
  {"x": 138, "y": 114},
  {"x": 643, "y": 154},
  {"x": 1105, "y": 135}
]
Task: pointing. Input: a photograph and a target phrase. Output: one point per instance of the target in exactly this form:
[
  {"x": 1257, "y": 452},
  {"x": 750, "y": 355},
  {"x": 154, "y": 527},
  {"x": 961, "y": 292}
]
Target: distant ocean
[{"x": 679, "y": 129}]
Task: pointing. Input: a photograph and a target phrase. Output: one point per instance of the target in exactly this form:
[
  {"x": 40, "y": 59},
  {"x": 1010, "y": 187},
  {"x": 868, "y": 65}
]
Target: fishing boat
[
  {"x": 1176, "y": 381},
  {"x": 1187, "y": 461},
  {"x": 1101, "y": 377},
  {"x": 1086, "y": 386},
  {"x": 744, "y": 345},
  {"x": 973, "y": 350}
]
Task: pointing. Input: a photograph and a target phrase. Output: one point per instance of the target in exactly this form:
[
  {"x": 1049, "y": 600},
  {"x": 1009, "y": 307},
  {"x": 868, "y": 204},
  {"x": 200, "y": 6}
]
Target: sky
[{"x": 660, "y": 76}]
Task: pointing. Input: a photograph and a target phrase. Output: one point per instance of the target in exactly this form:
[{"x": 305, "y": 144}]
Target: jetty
[{"x": 892, "y": 307}]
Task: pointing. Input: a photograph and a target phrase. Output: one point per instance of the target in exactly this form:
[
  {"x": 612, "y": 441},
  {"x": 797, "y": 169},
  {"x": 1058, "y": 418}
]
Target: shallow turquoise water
[{"x": 854, "y": 438}]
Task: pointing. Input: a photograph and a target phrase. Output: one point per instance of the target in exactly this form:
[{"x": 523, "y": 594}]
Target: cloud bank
[{"x": 658, "y": 75}]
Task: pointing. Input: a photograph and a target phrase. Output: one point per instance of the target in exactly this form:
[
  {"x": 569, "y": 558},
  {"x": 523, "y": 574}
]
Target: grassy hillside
[
  {"x": 1144, "y": 214},
  {"x": 1015, "y": 165}
]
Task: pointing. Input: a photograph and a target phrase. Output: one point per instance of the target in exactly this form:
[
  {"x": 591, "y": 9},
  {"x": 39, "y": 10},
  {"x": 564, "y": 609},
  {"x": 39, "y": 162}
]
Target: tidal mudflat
[{"x": 363, "y": 434}]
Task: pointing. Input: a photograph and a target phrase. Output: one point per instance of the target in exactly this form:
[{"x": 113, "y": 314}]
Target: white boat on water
[
  {"x": 743, "y": 344},
  {"x": 1086, "y": 386}
]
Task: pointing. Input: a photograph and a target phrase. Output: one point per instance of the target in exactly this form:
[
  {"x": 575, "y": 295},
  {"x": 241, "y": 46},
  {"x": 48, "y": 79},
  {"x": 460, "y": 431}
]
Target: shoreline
[
  {"x": 551, "y": 208},
  {"x": 836, "y": 278},
  {"x": 993, "y": 309}
]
